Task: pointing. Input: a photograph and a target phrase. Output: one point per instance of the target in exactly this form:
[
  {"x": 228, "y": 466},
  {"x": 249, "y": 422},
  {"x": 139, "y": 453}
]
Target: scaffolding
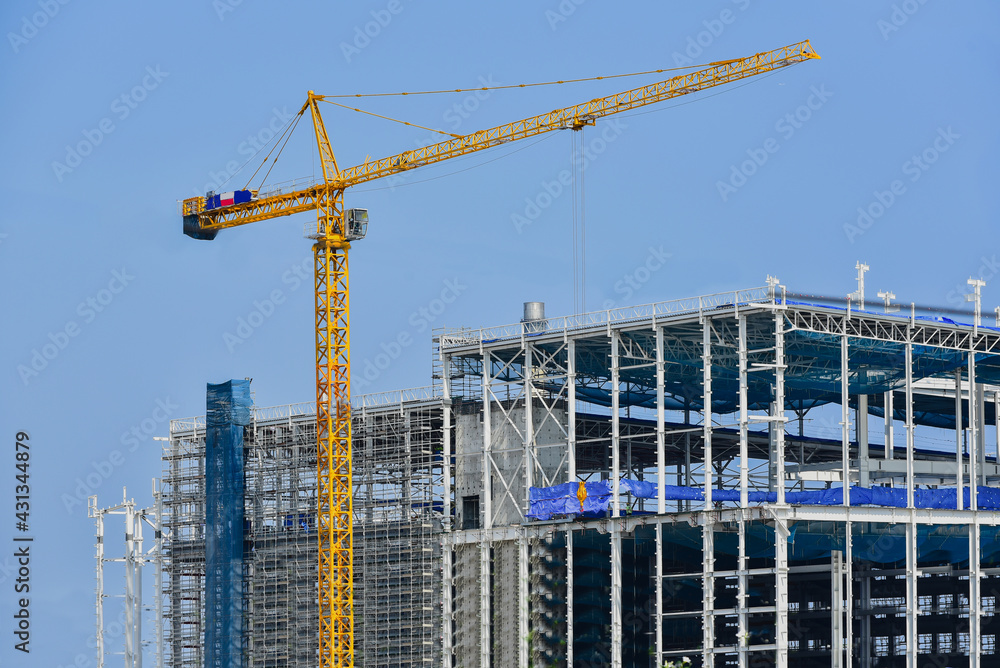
[{"x": 397, "y": 524}]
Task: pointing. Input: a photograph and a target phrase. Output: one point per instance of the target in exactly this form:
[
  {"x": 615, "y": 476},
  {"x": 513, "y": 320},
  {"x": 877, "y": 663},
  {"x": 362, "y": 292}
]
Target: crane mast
[{"x": 335, "y": 229}]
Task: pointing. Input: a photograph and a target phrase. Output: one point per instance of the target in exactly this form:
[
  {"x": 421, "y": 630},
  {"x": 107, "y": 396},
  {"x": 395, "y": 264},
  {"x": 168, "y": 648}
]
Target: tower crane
[{"x": 334, "y": 231}]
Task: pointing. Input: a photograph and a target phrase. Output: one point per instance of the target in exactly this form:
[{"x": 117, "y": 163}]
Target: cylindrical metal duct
[
  {"x": 533, "y": 311},
  {"x": 534, "y": 316}
]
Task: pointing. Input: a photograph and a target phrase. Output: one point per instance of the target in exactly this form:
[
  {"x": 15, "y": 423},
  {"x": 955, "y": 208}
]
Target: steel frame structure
[
  {"x": 133, "y": 561},
  {"x": 527, "y": 374}
]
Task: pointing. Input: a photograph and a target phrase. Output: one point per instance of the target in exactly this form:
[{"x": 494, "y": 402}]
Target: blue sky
[{"x": 113, "y": 112}]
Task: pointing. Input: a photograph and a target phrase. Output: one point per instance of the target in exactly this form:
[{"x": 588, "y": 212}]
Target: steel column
[
  {"x": 129, "y": 585},
  {"x": 836, "y": 609},
  {"x": 158, "y": 564},
  {"x": 616, "y": 594},
  {"x": 781, "y": 535},
  {"x": 889, "y": 420},
  {"x": 744, "y": 417},
  {"x": 658, "y": 624},
  {"x": 845, "y": 421},
  {"x": 522, "y": 605},
  {"x": 485, "y": 623},
  {"x": 959, "y": 455},
  {"x": 975, "y": 593},
  {"x": 570, "y": 637},
  {"x": 911, "y": 592},
  {"x": 446, "y": 547},
  {"x": 615, "y": 433},
  {"x": 909, "y": 427},
  {"x": 571, "y": 409},
  {"x": 862, "y": 438},
  {"x": 911, "y": 526},
  {"x": 661, "y": 474},
  {"x": 529, "y": 424},
  {"x": 743, "y": 635},
  {"x": 848, "y": 594},
  {"x": 707, "y": 525},
  {"x": 973, "y": 434},
  {"x": 778, "y": 423},
  {"x": 98, "y": 516}
]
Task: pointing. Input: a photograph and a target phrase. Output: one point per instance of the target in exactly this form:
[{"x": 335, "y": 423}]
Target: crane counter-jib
[{"x": 201, "y": 219}]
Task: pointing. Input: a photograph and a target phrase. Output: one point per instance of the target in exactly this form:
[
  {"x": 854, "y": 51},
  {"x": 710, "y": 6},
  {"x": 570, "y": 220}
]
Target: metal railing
[
  {"x": 286, "y": 187},
  {"x": 469, "y": 336}
]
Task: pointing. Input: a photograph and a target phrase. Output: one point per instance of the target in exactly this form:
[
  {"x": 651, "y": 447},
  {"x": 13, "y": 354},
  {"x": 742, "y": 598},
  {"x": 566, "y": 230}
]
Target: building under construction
[{"x": 627, "y": 488}]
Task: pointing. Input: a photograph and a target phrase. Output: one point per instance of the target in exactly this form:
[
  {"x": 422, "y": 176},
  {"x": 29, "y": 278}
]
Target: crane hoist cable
[
  {"x": 255, "y": 154},
  {"x": 579, "y": 221},
  {"x": 287, "y": 134},
  {"x": 394, "y": 120}
]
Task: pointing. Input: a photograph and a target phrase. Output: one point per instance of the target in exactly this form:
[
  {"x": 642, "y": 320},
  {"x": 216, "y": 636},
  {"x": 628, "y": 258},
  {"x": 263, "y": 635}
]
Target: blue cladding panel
[
  {"x": 241, "y": 196},
  {"x": 227, "y": 412},
  {"x": 547, "y": 502}
]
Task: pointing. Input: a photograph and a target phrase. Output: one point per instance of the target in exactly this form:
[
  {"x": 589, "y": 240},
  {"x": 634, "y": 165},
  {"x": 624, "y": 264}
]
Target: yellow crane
[{"x": 335, "y": 229}]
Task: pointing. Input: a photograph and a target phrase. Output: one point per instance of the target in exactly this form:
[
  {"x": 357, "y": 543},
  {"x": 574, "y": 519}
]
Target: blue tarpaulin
[
  {"x": 547, "y": 502},
  {"x": 227, "y": 412}
]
